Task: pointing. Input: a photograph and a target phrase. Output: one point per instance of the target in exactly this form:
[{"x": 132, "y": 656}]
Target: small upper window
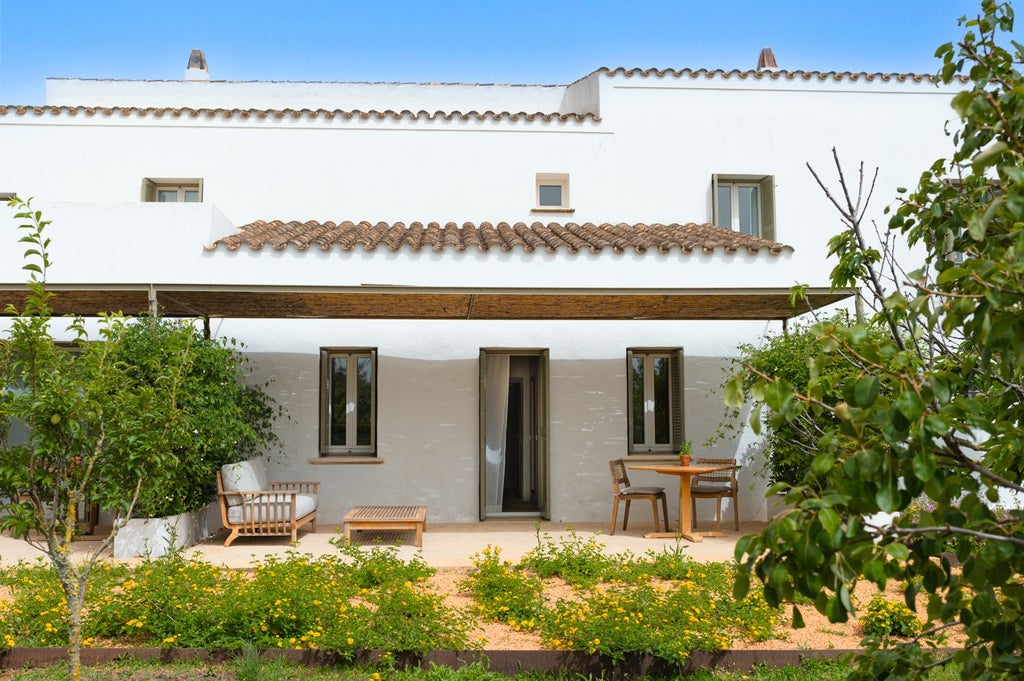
[
  {"x": 552, "y": 193},
  {"x": 549, "y": 195},
  {"x": 172, "y": 190},
  {"x": 744, "y": 203}
]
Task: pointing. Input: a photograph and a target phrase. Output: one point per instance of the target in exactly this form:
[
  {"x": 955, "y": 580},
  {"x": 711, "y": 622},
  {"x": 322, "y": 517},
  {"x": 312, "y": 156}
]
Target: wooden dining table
[{"x": 685, "y": 473}]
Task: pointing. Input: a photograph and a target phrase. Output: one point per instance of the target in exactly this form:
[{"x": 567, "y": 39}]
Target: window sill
[
  {"x": 552, "y": 209},
  {"x": 335, "y": 460}
]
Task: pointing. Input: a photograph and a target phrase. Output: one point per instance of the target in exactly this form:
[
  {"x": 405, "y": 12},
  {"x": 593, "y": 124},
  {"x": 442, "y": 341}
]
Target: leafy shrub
[
  {"x": 295, "y": 602},
  {"x": 171, "y": 601},
  {"x": 502, "y": 592},
  {"x": 381, "y": 565},
  {"x": 692, "y": 609},
  {"x": 667, "y": 621},
  {"x": 580, "y": 562},
  {"x": 404, "y": 617},
  {"x": 36, "y": 614},
  {"x": 224, "y": 419},
  {"x": 885, "y": 617},
  {"x": 791, "y": 444},
  {"x": 669, "y": 563}
]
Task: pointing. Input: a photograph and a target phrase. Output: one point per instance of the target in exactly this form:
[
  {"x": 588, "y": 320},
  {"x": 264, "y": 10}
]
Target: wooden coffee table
[{"x": 387, "y": 518}]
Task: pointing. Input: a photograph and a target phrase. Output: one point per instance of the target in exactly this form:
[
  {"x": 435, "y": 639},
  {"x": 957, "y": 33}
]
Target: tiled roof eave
[
  {"x": 770, "y": 74},
  {"x": 571, "y": 238},
  {"x": 189, "y": 113}
]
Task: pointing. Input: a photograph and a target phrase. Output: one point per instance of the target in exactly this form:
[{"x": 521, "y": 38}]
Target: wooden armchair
[
  {"x": 623, "y": 491},
  {"x": 250, "y": 506},
  {"x": 715, "y": 486}
]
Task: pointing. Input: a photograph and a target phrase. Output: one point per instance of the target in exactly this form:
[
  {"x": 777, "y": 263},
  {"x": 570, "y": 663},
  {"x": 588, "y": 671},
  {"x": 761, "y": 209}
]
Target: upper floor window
[
  {"x": 348, "y": 401},
  {"x": 655, "y": 399},
  {"x": 172, "y": 190},
  {"x": 744, "y": 203},
  {"x": 552, "y": 193}
]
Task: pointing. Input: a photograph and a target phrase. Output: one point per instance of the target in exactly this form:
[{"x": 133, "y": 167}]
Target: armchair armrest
[{"x": 302, "y": 487}]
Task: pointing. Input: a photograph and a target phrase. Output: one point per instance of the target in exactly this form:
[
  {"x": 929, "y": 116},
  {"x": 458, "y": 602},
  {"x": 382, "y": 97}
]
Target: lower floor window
[
  {"x": 655, "y": 399},
  {"x": 348, "y": 397}
]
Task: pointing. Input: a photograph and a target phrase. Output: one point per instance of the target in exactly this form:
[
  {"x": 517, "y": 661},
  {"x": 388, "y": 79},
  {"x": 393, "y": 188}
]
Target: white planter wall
[{"x": 155, "y": 537}]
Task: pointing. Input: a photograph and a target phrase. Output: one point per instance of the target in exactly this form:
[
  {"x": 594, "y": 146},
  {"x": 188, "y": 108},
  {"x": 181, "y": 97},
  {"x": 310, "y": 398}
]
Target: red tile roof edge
[
  {"x": 549, "y": 237},
  {"x": 779, "y": 74},
  {"x": 159, "y": 112}
]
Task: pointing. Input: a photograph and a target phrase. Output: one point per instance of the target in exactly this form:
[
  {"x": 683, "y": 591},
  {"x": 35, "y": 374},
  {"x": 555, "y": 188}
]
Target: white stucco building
[{"x": 525, "y": 275}]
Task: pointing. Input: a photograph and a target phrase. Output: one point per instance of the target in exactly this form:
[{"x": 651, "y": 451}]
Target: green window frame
[
  {"x": 655, "y": 398},
  {"x": 744, "y": 203},
  {"x": 348, "y": 401}
]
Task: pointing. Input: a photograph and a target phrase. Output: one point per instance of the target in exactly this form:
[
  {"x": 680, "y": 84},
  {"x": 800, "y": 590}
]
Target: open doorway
[{"x": 513, "y": 424}]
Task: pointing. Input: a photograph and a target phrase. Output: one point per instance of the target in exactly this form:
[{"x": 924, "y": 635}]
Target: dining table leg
[{"x": 685, "y": 517}]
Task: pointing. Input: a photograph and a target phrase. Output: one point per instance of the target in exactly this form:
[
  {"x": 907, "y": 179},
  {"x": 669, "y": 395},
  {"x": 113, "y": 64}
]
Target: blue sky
[{"x": 487, "y": 41}]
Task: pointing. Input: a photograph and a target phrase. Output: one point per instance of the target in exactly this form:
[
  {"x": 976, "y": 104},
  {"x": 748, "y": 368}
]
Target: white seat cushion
[
  {"x": 273, "y": 507},
  {"x": 643, "y": 490},
  {"x": 244, "y": 476}
]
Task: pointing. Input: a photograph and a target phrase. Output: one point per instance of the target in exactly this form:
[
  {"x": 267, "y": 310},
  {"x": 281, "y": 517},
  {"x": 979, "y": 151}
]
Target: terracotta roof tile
[
  {"x": 550, "y": 237},
  {"x": 404, "y": 114},
  {"x": 779, "y": 74}
]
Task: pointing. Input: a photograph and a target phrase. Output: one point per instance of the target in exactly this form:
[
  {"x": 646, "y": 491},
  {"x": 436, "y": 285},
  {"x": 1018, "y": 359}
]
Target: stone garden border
[{"x": 504, "y": 661}]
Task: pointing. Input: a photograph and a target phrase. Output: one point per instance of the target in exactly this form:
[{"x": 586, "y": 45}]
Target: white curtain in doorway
[{"x": 495, "y": 424}]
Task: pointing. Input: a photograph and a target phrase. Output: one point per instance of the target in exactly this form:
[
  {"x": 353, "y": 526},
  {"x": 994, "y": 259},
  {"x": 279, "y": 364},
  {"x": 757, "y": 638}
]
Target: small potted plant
[{"x": 685, "y": 452}]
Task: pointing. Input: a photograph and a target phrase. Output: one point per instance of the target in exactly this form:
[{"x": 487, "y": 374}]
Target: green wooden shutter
[
  {"x": 714, "y": 202},
  {"x": 767, "y": 189},
  {"x": 543, "y": 441},
  {"x": 631, "y": 446},
  {"x": 678, "y": 411},
  {"x": 482, "y": 444},
  {"x": 325, "y": 397},
  {"x": 374, "y": 382}
]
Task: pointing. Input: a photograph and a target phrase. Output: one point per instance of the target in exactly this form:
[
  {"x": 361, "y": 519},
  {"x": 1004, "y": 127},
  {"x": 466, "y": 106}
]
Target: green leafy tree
[
  {"x": 223, "y": 417},
  {"x": 932, "y": 412},
  {"x": 790, "y": 444},
  {"x": 89, "y": 433}
]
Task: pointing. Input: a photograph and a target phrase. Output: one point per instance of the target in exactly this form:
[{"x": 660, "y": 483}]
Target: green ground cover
[{"x": 662, "y": 603}]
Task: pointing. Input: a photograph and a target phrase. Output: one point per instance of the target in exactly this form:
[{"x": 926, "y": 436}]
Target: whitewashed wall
[{"x": 428, "y": 397}]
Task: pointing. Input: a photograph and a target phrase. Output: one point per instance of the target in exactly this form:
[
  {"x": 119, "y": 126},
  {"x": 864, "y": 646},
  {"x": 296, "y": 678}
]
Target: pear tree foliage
[{"x": 920, "y": 480}]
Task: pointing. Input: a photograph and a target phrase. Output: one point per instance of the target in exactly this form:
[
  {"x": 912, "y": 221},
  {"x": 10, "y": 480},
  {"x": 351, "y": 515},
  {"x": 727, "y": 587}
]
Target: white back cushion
[{"x": 244, "y": 476}]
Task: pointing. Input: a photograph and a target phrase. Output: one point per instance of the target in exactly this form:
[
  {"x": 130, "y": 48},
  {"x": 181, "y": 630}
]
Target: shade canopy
[{"x": 392, "y": 302}]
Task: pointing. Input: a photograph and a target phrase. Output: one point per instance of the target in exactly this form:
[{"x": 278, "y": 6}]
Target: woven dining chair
[
  {"x": 717, "y": 486},
  {"x": 623, "y": 491}
]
